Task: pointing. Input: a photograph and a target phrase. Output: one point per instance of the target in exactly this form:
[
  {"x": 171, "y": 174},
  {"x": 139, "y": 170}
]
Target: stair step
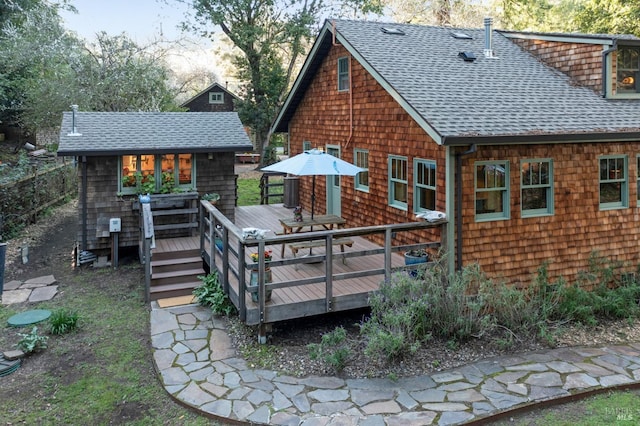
[
  {"x": 166, "y": 255},
  {"x": 174, "y": 277},
  {"x": 176, "y": 264},
  {"x": 173, "y": 261},
  {"x": 173, "y": 290}
]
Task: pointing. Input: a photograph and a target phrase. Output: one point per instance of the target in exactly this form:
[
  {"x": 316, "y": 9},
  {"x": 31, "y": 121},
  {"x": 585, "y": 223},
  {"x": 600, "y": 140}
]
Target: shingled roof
[
  {"x": 510, "y": 98},
  {"x": 120, "y": 133}
]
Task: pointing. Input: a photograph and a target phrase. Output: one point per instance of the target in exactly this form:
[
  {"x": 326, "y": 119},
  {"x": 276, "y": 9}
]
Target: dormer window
[{"x": 628, "y": 69}]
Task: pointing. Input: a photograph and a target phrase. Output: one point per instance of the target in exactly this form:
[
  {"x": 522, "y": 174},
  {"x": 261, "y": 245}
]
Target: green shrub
[
  {"x": 211, "y": 294},
  {"x": 407, "y": 312},
  {"x": 63, "y": 321},
  {"x": 333, "y": 349},
  {"x": 32, "y": 342}
]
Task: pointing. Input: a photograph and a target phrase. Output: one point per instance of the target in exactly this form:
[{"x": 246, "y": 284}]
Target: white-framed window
[
  {"x": 398, "y": 182},
  {"x": 361, "y": 157},
  {"x": 536, "y": 186},
  {"x": 216, "y": 97},
  {"x": 424, "y": 185},
  {"x": 613, "y": 182},
  {"x": 492, "y": 190},
  {"x": 343, "y": 74},
  {"x": 628, "y": 69},
  {"x": 306, "y": 145},
  {"x": 156, "y": 173}
]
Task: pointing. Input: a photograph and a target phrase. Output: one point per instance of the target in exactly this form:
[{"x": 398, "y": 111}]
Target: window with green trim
[
  {"x": 536, "y": 185},
  {"x": 156, "y": 174},
  {"x": 343, "y": 74},
  {"x": 492, "y": 190},
  {"x": 362, "y": 160},
  {"x": 306, "y": 145},
  {"x": 613, "y": 182},
  {"x": 398, "y": 182},
  {"x": 424, "y": 191},
  {"x": 628, "y": 69}
]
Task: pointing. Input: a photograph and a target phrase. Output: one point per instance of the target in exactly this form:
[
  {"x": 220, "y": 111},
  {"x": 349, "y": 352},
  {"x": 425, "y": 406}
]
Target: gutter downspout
[
  {"x": 605, "y": 53},
  {"x": 458, "y": 223}
]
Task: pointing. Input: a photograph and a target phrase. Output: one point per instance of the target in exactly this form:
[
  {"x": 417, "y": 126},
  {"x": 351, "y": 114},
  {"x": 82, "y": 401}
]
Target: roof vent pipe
[
  {"x": 488, "y": 31},
  {"x": 74, "y": 128}
]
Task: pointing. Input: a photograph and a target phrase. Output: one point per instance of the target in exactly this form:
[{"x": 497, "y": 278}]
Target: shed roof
[
  {"x": 109, "y": 133},
  {"x": 509, "y": 98}
]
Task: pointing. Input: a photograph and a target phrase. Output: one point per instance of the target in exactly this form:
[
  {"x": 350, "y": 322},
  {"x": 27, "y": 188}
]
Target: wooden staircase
[{"x": 176, "y": 264}]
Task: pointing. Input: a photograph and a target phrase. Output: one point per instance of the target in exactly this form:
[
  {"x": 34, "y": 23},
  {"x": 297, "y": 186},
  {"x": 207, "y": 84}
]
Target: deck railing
[
  {"x": 267, "y": 189},
  {"x": 224, "y": 248}
]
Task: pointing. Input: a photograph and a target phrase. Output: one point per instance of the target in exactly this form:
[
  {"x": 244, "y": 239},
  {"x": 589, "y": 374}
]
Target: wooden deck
[{"x": 306, "y": 285}]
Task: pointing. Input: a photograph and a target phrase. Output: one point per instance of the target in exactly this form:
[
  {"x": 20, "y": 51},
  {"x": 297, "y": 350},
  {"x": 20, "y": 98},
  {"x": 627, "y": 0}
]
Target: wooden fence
[{"x": 24, "y": 200}]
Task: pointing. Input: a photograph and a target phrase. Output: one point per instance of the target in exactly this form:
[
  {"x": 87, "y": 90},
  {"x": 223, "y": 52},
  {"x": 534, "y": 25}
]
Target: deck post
[
  {"x": 329, "y": 273},
  {"x": 242, "y": 276},
  {"x": 388, "y": 237},
  {"x": 263, "y": 331}
]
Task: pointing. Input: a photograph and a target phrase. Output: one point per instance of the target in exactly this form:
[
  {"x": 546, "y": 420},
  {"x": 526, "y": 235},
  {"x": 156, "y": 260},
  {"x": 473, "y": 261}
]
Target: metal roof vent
[
  {"x": 461, "y": 36},
  {"x": 488, "y": 41},
  {"x": 392, "y": 30},
  {"x": 74, "y": 127},
  {"x": 467, "y": 56}
]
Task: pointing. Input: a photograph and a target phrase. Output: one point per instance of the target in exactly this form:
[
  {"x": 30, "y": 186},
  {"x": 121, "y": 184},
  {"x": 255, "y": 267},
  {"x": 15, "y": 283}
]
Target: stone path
[
  {"x": 33, "y": 290},
  {"x": 198, "y": 366}
]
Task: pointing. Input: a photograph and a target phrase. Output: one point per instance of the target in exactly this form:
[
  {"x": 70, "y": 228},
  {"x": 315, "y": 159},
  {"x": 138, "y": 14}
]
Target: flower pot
[
  {"x": 254, "y": 282},
  {"x": 410, "y": 259}
]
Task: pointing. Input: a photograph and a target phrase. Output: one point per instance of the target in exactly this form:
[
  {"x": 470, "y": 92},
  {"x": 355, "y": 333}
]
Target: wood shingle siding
[
  {"x": 514, "y": 249},
  {"x": 380, "y": 125},
  {"x": 582, "y": 62}
]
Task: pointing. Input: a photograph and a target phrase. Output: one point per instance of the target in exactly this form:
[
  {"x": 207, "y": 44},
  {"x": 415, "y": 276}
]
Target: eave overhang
[{"x": 633, "y": 136}]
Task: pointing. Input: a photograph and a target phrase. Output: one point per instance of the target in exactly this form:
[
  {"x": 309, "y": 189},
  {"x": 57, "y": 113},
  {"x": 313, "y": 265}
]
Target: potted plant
[
  {"x": 255, "y": 257},
  {"x": 414, "y": 257},
  {"x": 213, "y": 197}
]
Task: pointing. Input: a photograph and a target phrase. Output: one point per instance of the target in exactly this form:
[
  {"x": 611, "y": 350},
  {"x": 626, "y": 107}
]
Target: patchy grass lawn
[{"x": 103, "y": 372}]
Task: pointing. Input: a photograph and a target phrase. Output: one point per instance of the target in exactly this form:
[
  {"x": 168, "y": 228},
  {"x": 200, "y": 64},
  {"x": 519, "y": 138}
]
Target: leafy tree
[
  {"x": 585, "y": 16},
  {"x": 270, "y": 37},
  {"x": 35, "y": 77},
  {"x": 608, "y": 16},
  {"x": 115, "y": 74},
  {"x": 457, "y": 13}
]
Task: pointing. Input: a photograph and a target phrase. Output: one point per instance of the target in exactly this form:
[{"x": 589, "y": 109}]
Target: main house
[
  {"x": 529, "y": 142},
  {"x": 123, "y": 154}
]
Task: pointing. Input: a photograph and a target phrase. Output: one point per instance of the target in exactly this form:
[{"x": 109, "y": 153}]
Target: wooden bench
[{"x": 295, "y": 247}]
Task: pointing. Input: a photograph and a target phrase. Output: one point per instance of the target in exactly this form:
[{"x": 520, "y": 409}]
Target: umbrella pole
[{"x": 313, "y": 195}]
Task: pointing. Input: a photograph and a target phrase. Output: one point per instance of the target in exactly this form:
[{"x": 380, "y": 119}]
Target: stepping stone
[
  {"x": 15, "y": 296},
  {"x": 39, "y": 281},
  {"x": 43, "y": 293},
  {"x": 12, "y": 285},
  {"x": 15, "y": 354},
  {"x": 29, "y": 317}
]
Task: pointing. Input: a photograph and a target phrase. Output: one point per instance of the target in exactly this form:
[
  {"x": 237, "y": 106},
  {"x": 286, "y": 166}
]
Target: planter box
[
  {"x": 415, "y": 260},
  {"x": 248, "y": 158}
]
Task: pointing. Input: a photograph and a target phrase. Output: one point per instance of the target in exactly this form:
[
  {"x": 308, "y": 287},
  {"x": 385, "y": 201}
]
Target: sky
[
  {"x": 145, "y": 21},
  {"x": 142, "y": 20}
]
